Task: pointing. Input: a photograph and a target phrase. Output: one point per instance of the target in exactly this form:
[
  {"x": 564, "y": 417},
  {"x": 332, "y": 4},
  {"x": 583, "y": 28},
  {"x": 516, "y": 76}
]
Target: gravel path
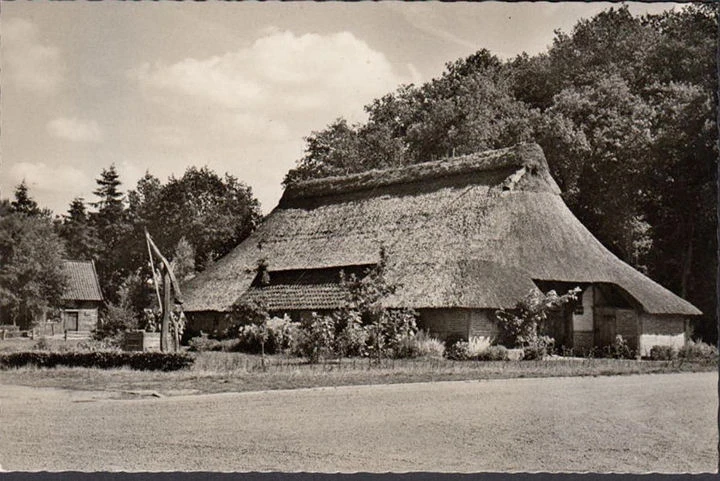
[{"x": 643, "y": 423}]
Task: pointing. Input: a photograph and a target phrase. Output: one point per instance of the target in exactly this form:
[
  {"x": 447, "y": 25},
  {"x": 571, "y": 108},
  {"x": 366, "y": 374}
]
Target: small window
[{"x": 579, "y": 309}]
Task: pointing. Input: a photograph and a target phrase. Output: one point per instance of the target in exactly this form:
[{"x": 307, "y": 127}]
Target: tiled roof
[
  {"x": 83, "y": 284},
  {"x": 298, "y": 297}
]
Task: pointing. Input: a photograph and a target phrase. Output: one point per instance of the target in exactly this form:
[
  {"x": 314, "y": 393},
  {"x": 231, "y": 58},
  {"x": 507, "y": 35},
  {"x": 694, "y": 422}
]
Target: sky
[{"x": 161, "y": 86}]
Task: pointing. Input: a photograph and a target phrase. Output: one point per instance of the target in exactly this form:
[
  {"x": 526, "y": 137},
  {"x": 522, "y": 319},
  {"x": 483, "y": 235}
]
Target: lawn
[{"x": 215, "y": 372}]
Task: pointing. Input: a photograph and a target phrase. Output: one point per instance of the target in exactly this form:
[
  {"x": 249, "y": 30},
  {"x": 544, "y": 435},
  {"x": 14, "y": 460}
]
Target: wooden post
[
  {"x": 262, "y": 353},
  {"x": 165, "y": 313}
]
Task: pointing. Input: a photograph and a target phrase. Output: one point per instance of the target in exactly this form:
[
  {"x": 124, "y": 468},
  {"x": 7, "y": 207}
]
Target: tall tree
[
  {"x": 32, "y": 278},
  {"x": 211, "y": 212},
  {"x": 23, "y": 203},
  {"x": 681, "y": 197},
  {"x": 113, "y": 231},
  {"x": 331, "y": 151},
  {"x": 183, "y": 260},
  {"x": 80, "y": 237}
]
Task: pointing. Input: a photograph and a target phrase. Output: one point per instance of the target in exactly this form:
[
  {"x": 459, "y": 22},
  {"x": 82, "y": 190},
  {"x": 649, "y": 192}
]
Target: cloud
[
  {"x": 27, "y": 62},
  {"x": 75, "y": 130},
  {"x": 44, "y": 179},
  {"x": 280, "y": 79},
  {"x": 246, "y": 111}
]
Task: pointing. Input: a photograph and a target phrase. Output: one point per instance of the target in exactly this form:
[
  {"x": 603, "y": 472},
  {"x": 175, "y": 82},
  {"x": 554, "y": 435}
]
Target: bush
[
  {"x": 203, "y": 344},
  {"x": 116, "y": 320},
  {"x": 250, "y": 338},
  {"x": 460, "y": 351},
  {"x": 493, "y": 353},
  {"x": 244, "y": 313},
  {"x": 275, "y": 332},
  {"x": 543, "y": 346},
  {"x": 108, "y": 344},
  {"x": 315, "y": 338},
  {"x": 478, "y": 345},
  {"x": 352, "y": 339},
  {"x": 619, "y": 349},
  {"x": 452, "y": 339},
  {"x": 663, "y": 353},
  {"x": 698, "y": 351},
  {"x": 477, "y": 349},
  {"x": 428, "y": 346},
  {"x": 144, "y": 361},
  {"x": 523, "y": 325}
]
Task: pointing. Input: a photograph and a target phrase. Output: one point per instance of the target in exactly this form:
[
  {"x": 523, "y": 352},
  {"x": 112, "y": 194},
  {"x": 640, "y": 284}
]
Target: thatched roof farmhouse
[{"x": 463, "y": 236}]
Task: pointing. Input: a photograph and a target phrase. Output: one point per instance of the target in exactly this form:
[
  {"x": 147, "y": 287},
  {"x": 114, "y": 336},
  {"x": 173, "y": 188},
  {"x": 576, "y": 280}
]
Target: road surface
[{"x": 641, "y": 423}]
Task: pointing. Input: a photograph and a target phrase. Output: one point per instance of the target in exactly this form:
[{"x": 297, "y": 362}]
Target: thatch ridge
[
  {"x": 473, "y": 238},
  {"x": 529, "y": 156}
]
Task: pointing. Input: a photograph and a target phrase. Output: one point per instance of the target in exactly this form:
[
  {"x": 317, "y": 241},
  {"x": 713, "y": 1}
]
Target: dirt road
[{"x": 661, "y": 423}]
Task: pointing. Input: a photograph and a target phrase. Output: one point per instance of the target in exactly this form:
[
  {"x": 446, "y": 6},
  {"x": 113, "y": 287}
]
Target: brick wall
[
  {"x": 465, "y": 323},
  {"x": 666, "y": 325},
  {"x": 445, "y": 323},
  {"x": 482, "y": 324},
  {"x": 210, "y": 322}
]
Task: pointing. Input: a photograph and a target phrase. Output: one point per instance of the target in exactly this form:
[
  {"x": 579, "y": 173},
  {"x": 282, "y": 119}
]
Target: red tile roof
[
  {"x": 83, "y": 284},
  {"x": 298, "y": 297}
]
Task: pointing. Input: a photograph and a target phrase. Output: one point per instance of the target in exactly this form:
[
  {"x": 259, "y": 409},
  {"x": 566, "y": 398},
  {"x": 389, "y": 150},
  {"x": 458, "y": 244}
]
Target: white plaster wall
[
  {"x": 584, "y": 321},
  {"x": 647, "y": 341}
]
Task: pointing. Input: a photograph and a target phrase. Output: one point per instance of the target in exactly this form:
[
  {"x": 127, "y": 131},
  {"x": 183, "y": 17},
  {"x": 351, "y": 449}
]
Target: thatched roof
[
  {"x": 473, "y": 232},
  {"x": 83, "y": 284}
]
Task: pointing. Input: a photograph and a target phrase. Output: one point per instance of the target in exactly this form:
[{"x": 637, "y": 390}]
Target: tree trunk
[{"x": 165, "y": 313}]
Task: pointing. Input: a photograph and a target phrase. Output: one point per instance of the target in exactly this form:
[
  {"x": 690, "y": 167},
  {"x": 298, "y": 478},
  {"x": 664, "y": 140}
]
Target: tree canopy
[{"x": 32, "y": 278}]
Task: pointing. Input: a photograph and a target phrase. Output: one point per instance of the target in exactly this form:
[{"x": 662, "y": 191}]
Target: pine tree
[
  {"x": 23, "y": 203},
  {"x": 110, "y": 199},
  {"x": 80, "y": 237},
  {"x": 114, "y": 232}
]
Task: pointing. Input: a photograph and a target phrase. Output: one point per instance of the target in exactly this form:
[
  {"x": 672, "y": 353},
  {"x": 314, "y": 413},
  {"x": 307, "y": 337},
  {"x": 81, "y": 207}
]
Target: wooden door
[
  {"x": 71, "y": 321},
  {"x": 605, "y": 327}
]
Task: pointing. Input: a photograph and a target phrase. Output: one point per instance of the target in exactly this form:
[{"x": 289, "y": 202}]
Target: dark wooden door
[
  {"x": 71, "y": 321},
  {"x": 605, "y": 327}
]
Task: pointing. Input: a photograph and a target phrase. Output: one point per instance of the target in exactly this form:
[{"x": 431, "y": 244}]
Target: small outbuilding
[
  {"x": 82, "y": 299},
  {"x": 464, "y": 237}
]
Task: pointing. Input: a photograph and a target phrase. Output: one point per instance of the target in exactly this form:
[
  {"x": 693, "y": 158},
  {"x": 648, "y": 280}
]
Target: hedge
[{"x": 142, "y": 361}]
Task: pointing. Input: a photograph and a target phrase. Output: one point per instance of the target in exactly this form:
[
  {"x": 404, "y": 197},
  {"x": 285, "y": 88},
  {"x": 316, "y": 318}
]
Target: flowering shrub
[
  {"x": 316, "y": 338},
  {"x": 698, "y": 351},
  {"x": 663, "y": 353},
  {"x": 459, "y": 351},
  {"x": 619, "y": 349},
  {"x": 419, "y": 345},
  {"x": 476, "y": 351},
  {"x": 493, "y": 353},
  {"x": 274, "y": 333},
  {"x": 522, "y": 326},
  {"x": 203, "y": 344},
  {"x": 390, "y": 329},
  {"x": 352, "y": 339}
]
